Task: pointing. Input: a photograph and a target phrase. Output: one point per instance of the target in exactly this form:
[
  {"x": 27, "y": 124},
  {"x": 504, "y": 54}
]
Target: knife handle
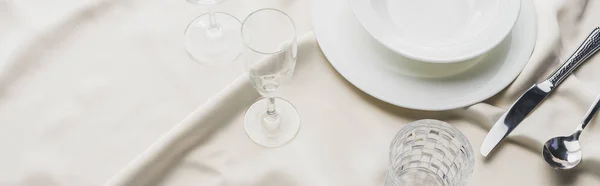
[{"x": 588, "y": 48}]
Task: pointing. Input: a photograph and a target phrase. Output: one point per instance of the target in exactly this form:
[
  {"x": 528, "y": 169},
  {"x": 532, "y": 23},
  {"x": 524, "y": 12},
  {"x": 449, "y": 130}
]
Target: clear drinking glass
[
  {"x": 270, "y": 57},
  {"x": 429, "y": 153},
  {"x": 213, "y": 38}
]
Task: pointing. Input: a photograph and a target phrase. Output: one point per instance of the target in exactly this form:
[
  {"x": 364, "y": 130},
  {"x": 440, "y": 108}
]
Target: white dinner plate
[
  {"x": 440, "y": 31},
  {"x": 385, "y": 75}
]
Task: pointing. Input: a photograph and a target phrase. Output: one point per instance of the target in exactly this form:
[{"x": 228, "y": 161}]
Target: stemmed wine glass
[
  {"x": 213, "y": 38},
  {"x": 269, "y": 36}
]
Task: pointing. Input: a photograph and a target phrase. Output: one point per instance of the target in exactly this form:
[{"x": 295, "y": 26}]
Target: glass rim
[{"x": 287, "y": 46}]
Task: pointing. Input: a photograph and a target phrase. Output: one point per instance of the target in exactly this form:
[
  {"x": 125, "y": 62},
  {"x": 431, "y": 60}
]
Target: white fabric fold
[{"x": 86, "y": 86}]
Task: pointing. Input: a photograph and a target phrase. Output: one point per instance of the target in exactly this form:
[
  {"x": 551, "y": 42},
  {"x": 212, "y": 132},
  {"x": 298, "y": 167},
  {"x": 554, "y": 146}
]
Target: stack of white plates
[{"x": 427, "y": 54}]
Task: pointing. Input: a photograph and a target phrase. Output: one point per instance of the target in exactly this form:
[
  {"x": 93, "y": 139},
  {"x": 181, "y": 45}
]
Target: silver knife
[{"x": 537, "y": 93}]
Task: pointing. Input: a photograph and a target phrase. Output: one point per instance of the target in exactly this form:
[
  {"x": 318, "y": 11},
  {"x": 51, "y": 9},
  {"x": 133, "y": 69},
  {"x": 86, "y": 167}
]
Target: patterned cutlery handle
[{"x": 587, "y": 49}]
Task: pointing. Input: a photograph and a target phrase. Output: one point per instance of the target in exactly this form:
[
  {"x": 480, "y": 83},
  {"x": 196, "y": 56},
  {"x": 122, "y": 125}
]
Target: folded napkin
[{"x": 345, "y": 134}]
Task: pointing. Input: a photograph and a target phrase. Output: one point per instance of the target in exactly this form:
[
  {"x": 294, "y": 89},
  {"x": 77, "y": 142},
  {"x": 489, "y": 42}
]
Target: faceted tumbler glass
[{"x": 429, "y": 153}]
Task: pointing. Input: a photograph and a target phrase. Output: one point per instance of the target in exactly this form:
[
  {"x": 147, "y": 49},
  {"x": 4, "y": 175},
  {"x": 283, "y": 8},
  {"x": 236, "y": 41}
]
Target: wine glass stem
[
  {"x": 214, "y": 29},
  {"x": 271, "y": 106},
  {"x": 271, "y": 119}
]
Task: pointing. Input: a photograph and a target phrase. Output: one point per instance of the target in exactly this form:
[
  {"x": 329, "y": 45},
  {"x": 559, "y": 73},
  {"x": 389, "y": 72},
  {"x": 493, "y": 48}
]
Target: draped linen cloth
[{"x": 93, "y": 92}]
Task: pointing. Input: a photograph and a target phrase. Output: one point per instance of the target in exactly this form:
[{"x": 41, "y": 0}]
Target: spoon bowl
[{"x": 562, "y": 152}]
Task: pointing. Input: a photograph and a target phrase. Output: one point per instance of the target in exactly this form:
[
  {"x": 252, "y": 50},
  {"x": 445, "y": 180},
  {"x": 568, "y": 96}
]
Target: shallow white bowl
[{"x": 438, "y": 31}]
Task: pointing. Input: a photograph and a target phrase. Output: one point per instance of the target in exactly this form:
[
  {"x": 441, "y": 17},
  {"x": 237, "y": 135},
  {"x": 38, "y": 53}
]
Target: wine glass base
[
  {"x": 217, "y": 45},
  {"x": 288, "y": 123}
]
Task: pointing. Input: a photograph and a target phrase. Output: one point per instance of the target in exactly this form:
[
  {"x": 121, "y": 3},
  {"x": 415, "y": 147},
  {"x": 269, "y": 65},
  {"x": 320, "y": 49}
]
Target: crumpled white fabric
[{"x": 87, "y": 86}]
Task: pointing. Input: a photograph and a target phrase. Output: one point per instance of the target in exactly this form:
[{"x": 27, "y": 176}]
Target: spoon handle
[{"x": 590, "y": 114}]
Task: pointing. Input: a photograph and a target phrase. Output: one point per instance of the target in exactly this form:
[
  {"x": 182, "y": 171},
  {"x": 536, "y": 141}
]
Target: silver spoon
[{"x": 564, "y": 152}]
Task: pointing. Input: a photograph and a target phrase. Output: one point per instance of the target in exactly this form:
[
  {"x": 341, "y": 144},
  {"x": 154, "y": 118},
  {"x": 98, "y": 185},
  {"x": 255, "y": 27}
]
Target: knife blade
[{"x": 535, "y": 95}]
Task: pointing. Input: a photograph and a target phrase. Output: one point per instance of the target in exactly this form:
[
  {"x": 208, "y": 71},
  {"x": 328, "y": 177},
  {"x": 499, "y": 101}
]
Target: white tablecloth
[{"x": 88, "y": 86}]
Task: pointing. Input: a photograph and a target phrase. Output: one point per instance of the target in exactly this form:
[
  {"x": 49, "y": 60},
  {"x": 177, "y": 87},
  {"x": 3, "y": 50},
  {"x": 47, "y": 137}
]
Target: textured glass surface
[{"x": 429, "y": 152}]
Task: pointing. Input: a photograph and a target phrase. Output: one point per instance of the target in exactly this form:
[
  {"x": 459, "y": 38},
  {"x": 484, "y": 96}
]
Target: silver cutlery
[
  {"x": 564, "y": 152},
  {"x": 538, "y": 92}
]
